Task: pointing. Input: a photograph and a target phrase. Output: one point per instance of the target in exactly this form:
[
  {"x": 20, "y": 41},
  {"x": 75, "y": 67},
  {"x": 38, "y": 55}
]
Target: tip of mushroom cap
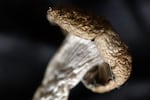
[
  {"x": 111, "y": 85},
  {"x": 105, "y": 79},
  {"x": 103, "y": 89},
  {"x": 51, "y": 17},
  {"x": 50, "y": 9}
]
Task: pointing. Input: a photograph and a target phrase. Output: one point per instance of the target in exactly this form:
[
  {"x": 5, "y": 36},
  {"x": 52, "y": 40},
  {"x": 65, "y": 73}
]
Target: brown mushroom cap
[
  {"x": 113, "y": 51},
  {"x": 78, "y": 22}
]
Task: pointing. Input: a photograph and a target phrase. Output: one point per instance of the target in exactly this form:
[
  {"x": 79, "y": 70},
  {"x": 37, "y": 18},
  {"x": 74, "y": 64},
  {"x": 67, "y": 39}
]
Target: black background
[{"x": 28, "y": 41}]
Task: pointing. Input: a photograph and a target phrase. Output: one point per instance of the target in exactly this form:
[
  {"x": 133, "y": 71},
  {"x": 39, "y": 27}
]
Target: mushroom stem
[{"x": 68, "y": 67}]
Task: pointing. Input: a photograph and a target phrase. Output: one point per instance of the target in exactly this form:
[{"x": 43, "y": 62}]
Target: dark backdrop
[{"x": 28, "y": 41}]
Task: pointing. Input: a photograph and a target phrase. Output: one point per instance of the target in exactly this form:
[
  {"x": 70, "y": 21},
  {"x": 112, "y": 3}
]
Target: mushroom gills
[{"x": 99, "y": 75}]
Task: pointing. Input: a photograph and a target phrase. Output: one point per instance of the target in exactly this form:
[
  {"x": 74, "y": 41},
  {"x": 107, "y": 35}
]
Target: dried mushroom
[{"x": 92, "y": 53}]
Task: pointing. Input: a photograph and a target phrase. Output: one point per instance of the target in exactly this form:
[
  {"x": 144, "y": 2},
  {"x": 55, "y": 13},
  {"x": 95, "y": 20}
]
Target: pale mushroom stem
[{"x": 67, "y": 68}]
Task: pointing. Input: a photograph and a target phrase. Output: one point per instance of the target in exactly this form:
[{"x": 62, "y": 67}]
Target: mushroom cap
[
  {"x": 78, "y": 22},
  {"x": 113, "y": 51},
  {"x": 118, "y": 69}
]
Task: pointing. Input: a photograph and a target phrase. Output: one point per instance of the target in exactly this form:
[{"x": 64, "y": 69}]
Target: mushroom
[{"x": 92, "y": 53}]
